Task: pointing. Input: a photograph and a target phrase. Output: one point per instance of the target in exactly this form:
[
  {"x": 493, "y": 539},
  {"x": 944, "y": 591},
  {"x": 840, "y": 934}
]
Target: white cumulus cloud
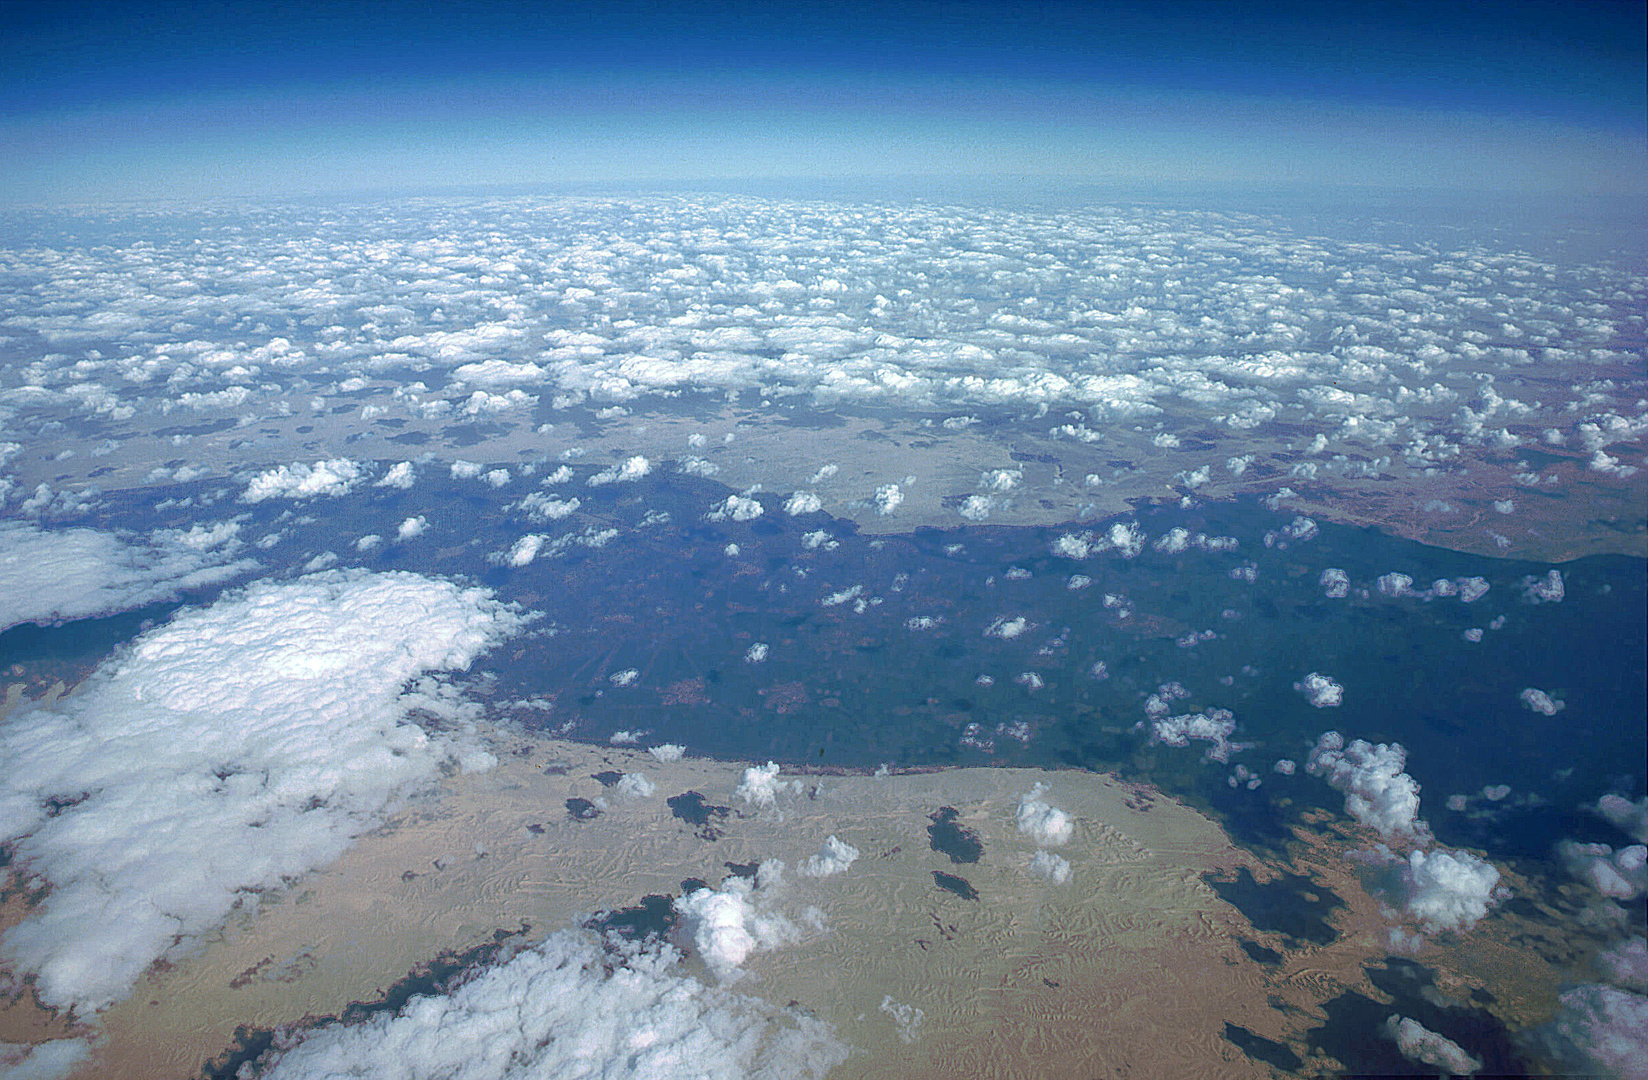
[{"x": 299, "y": 481}]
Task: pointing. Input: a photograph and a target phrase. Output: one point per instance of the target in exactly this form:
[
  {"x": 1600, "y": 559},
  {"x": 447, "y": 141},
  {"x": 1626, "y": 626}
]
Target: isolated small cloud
[
  {"x": 1540, "y": 702},
  {"x": 833, "y": 858},
  {"x": 1047, "y": 825},
  {"x": 631, "y": 469},
  {"x": 636, "y": 786},
  {"x": 736, "y": 508},
  {"x": 1320, "y": 691},
  {"x": 1423, "y": 1046},
  {"x": 400, "y": 475},
  {"x": 803, "y": 502},
  {"x": 1546, "y": 590},
  {"x": 761, "y": 786},
  {"x": 1056, "y": 868}
]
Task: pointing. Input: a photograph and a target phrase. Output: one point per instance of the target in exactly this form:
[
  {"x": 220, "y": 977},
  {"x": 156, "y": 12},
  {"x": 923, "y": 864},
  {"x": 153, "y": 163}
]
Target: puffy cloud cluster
[
  {"x": 761, "y": 786},
  {"x": 1549, "y": 589},
  {"x": 728, "y": 924},
  {"x": 300, "y": 481},
  {"x": 1439, "y": 889},
  {"x": 833, "y": 858},
  {"x": 1335, "y": 583},
  {"x": 887, "y": 499},
  {"x": 1375, "y": 346},
  {"x": 802, "y": 502},
  {"x": 1423, "y": 1046},
  {"x": 234, "y": 748},
  {"x": 1622, "y": 813},
  {"x": 1598, "y": 1030},
  {"x": 1211, "y": 725},
  {"x": 1007, "y": 629},
  {"x": 631, "y": 469},
  {"x": 569, "y": 1009},
  {"x": 53, "y": 574},
  {"x": 1320, "y": 690},
  {"x": 541, "y": 506},
  {"x": 1047, "y": 825},
  {"x": 1055, "y": 868},
  {"x": 1621, "y": 875},
  {"x": 400, "y": 475},
  {"x": 1377, "y": 792},
  {"x": 736, "y": 508}
]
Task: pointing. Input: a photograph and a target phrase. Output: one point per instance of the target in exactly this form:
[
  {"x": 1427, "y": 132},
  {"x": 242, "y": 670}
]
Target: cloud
[
  {"x": 1377, "y": 792},
  {"x": 1621, "y": 875},
  {"x": 52, "y": 574},
  {"x": 636, "y": 786},
  {"x": 1007, "y": 629},
  {"x": 1056, "y": 868},
  {"x": 236, "y": 747},
  {"x": 667, "y": 752},
  {"x": 906, "y": 1018},
  {"x": 524, "y": 550},
  {"x": 1214, "y": 726},
  {"x": 1441, "y": 890},
  {"x": 630, "y": 469},
  {"x": 541, "y": 506},
  {"x": 833, "y": 858},
  {"x": 1395, "y": 584},
  {"x": 728, "y": 924},
  {"x": 976, "y": 507},
  {"x": 1320, "y": 690},
  {"x": 1622, "y": 813},
  {"x": 756, "y": 653},
  {"x": 1540, "y": 702},
  {"x": 56, "y": 1059},
  {"x": 1335, "y": 583},
  {"x": 1046, "y": 825},
  {"x": 735, "y": 508},
  {"x": 1423, "y": 1046},
  {"x": 400, "y": 475},
  {"x": 1626, "y": 964},
  {"x": 761, "y": 786},
  {"x": 887, "y": 499},
  {"x": 803, "y": 502},
  {"x": 1598, "y": 1030},
  {"x": 569, "y": 1009},
  {"x": 412, "y": 528},
  {"x": 299, "y": 481},
  {"x": 1546, "y": 590}
]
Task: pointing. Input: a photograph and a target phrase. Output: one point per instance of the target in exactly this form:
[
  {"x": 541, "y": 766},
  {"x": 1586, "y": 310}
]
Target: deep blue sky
[{"x": 150, "y": 100}]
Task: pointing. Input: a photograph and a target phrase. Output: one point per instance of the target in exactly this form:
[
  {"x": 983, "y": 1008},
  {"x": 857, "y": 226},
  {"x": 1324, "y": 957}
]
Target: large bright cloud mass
[{"x": 231, "y": 749}]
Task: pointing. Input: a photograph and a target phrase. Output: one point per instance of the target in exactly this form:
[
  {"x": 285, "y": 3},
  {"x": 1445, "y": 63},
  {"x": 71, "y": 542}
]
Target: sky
[{"x": 123, "y": 101}]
